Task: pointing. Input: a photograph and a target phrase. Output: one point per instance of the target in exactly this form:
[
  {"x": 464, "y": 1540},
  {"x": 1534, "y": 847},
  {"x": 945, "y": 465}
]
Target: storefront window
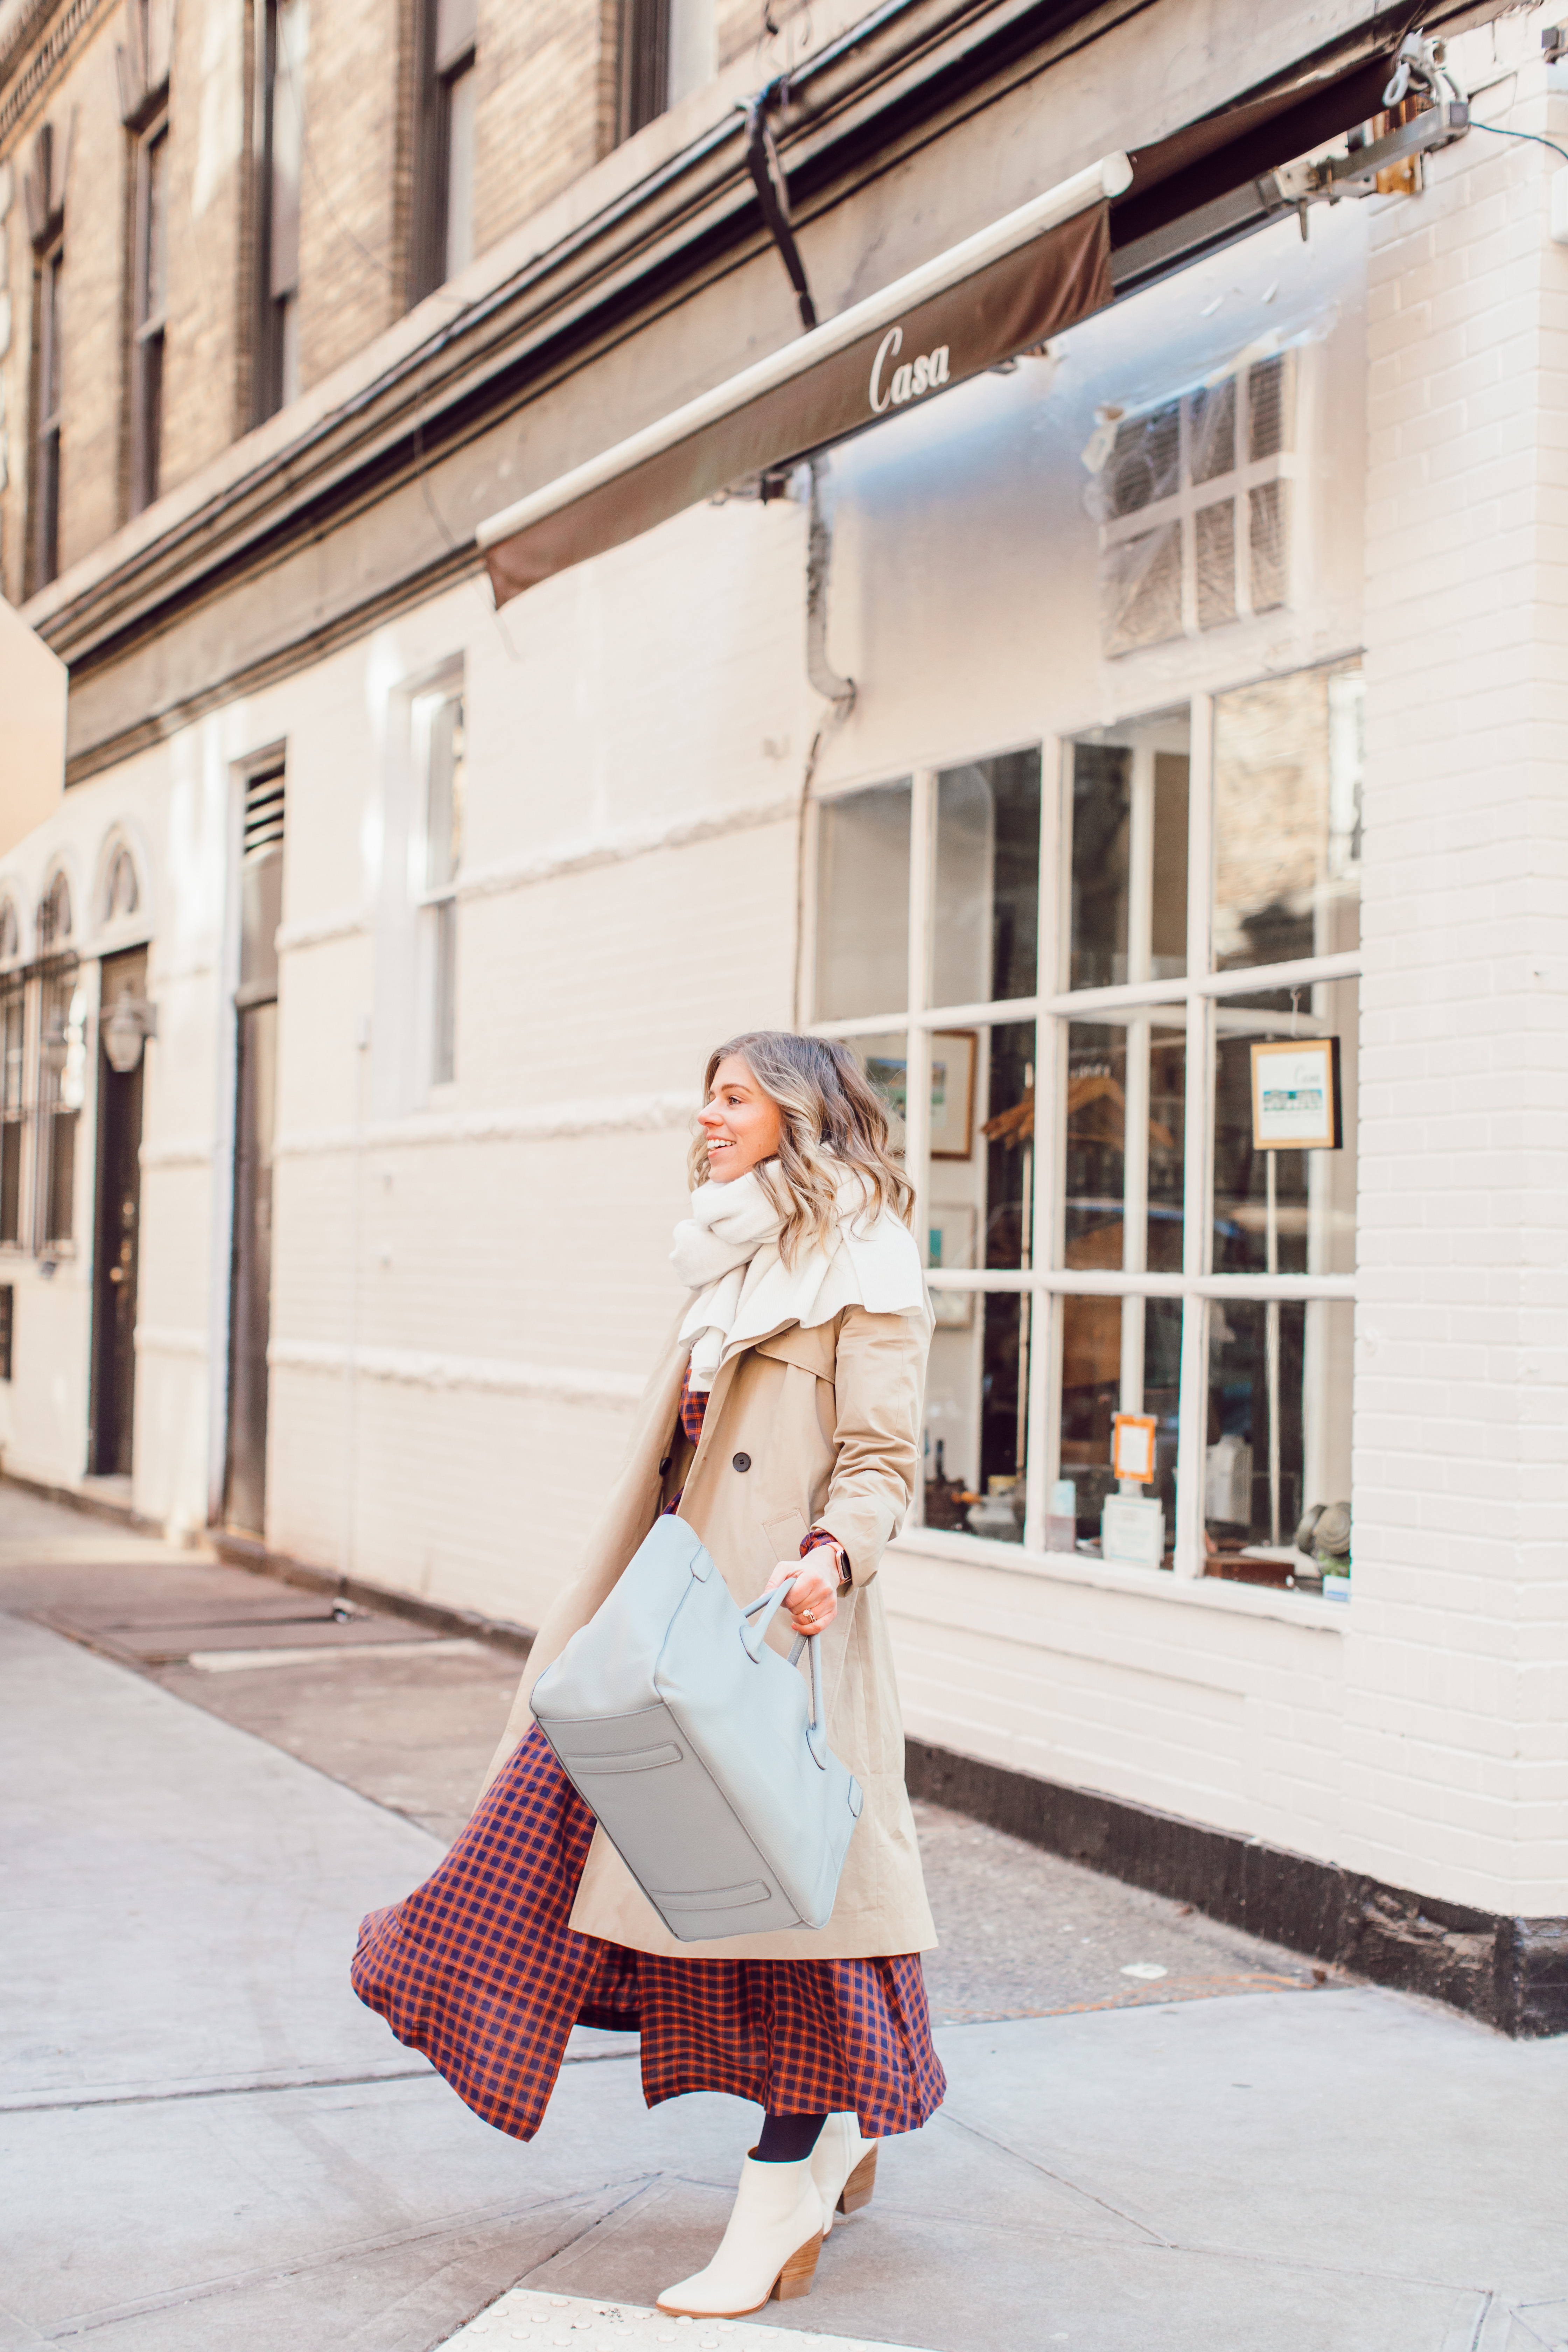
[
  {"x": 863, "y": 903},
  {"x": 1123, "y": 1190},
  {"x": 1287, "y": 818},
  {"x": 1310, "y": 1226},
  {"x": 984, "y": 931},
  {"x": 1278, "y": 1439},
  {"x": 1128, "y": 919}
]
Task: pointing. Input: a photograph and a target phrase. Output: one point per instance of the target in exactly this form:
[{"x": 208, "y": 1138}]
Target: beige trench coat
[{"x": 829, "y": 1422}]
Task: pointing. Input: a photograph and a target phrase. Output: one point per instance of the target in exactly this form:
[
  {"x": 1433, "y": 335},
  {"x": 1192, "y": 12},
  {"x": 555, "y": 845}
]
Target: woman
[{"x": 783, "y": 1423}]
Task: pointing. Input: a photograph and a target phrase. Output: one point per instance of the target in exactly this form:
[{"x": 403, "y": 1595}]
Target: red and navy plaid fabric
[
  {"x": 479, "y": 1969},
  {"x": 693, "y": 1405}
]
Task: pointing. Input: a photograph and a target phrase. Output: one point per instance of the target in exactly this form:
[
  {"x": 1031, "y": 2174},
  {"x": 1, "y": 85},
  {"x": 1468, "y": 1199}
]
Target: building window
[
  {"x": 62, "y": 1069},
  {"x": 48, "y": 388},
  {"x": 1058, "y": 993},
  {"x": 283, "y": 26},
  {"x": 448, "y": 90},
  {"x": 668, "y": 48},
  {"x": 150, "y": 302},
  {"x": 438, "y": 734},
  {"x": 13, "y": 1049},
  {"x": 122, "y": 896},
  {"x": 1193, "y": 506}
]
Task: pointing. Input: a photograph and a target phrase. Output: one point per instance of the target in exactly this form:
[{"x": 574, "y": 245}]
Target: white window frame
[
  {"x": 1198, "y": 993},
  {"x": 1233, "y": 489}
]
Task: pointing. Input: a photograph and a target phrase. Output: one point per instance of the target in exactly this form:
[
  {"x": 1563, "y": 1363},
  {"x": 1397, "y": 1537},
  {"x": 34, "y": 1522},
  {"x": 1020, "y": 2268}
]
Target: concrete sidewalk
[{"x": 206, "y": 2144}]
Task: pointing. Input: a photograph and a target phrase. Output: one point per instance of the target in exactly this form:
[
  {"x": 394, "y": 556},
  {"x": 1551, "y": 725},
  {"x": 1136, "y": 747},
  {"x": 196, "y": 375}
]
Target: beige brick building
[{"x": 1202, "y": 767}]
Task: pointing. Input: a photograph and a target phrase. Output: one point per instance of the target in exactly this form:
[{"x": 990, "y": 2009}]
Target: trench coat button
[
  {"x": 665, "y": 1464},
  {"x": 742, "y": 1462}
]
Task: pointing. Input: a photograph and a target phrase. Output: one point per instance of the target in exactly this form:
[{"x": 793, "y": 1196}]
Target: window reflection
[
  {"x": 863, "y": 903},
  {"x": 985, "y": 916},
  {"x": 1287, "y": 817},
  {"x": 1129, "y": 865}
]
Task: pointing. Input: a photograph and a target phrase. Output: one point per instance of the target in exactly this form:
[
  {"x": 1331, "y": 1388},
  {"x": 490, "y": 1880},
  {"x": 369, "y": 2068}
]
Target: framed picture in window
[
  {"x": 1296, "y": 1096},
  {"x": 952, "y": 1055},
  {"x": 952, "y": 1235}
]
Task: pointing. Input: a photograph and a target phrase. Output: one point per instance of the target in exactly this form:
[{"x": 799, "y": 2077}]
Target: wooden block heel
[
  {"x": 799, "y": 2270},
  {"x": 857, "y": 2188}
]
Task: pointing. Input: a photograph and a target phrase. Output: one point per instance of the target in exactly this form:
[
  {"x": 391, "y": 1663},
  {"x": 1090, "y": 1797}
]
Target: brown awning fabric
[{"x": 1001, "y": 292}]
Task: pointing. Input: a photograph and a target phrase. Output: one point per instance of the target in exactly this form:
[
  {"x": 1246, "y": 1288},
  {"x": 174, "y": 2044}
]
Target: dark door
[
  {"x": 244, "y": 1494},
  {"x": 116, "y": 1234}
]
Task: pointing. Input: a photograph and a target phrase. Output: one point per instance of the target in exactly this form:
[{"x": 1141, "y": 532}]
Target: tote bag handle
[{"x": 765, "y": 1608}]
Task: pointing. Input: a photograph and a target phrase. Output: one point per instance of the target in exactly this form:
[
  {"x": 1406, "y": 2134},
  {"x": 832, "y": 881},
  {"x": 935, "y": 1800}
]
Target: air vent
[{"x": 264, "y": 813}]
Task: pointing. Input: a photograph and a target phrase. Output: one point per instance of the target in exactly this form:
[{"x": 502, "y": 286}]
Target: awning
[{"x": 1026, "y": 278}]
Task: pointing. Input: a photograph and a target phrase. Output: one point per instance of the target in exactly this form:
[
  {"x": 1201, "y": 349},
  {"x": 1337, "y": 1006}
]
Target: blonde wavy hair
[{"x": 831, "y": 1117}]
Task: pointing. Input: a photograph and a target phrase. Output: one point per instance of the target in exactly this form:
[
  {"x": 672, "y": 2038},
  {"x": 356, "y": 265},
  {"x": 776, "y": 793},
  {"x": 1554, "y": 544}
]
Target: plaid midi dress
[{"x": 479, "y": 1969}]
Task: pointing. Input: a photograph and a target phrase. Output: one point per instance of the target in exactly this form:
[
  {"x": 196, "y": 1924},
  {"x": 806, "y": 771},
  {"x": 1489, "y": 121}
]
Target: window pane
[
  {"x": 1142, "y": 589},
  {"x": 1310, "y": 1228},
  {"x": 982, "y": 1188},
  {"x": 986, "y": 911},
  {"x": 1119, "y": 1355},
  {"x": 1286, "y": 815},
  {"x": 1211, "y": 428},
  {"x": 60, "y": 1191},
  {"x": 975, "y": 1423},
  {"x": 156, "y": 229},
  {"x": 444, "y": 1054},
  {"x": 11, "y": 1050},
  {"x": 1108, "y": 1064},
  {"x": 461, "y": 97},
  {"x": 11, "y": 1181},
  {"x": 1215, "y": 554},
  {"x": 444, "y": 833},
  {"x": 1129, "y": 865},
  {"x": 886, "y": 1062},
  {"x": 863, "y": 903},
  {"x": 1279, "y": 1431}
]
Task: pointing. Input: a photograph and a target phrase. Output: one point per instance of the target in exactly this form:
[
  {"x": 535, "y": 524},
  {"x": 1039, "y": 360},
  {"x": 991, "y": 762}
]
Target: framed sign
[
  {"x": 1296, "y": 1096},
  {"x": 1132, "y": 1436}
]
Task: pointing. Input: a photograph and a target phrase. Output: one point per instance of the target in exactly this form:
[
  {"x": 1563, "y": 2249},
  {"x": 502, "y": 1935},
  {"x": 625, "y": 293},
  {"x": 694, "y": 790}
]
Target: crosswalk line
[{"x": 574, "y": 2322}]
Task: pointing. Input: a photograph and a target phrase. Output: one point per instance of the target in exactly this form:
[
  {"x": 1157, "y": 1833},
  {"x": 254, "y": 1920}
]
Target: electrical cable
[{"x": 1502, "y": 131}]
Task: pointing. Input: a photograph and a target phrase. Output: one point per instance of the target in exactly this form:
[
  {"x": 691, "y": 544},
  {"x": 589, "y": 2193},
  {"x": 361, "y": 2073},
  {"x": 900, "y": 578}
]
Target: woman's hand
[{"x": 811, "y": 1601}]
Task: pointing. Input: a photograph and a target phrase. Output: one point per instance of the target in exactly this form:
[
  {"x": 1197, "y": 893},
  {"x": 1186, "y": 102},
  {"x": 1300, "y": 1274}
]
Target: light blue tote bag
[{"x": 694, "y": 1747}]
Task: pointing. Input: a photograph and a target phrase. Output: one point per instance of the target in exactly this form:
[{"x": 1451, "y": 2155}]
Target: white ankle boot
[
  {"x": 770, "y": 2247},
  {"x": 844, "y": 2166}
]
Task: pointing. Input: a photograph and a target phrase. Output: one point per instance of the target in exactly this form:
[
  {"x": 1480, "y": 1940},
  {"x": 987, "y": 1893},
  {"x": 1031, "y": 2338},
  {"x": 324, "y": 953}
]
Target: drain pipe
[{"x": 772, "y": 196}]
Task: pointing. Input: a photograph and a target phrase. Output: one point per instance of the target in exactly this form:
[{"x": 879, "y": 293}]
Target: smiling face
[{"x": 741, "y": 1124}]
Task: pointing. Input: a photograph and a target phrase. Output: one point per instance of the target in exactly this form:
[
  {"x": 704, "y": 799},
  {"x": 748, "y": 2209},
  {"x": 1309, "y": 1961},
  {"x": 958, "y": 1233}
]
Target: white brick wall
[{"x": 1455, "y": 1770}]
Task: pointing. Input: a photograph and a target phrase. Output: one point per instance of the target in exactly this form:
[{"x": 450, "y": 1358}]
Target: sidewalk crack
[{"x": 1156, "y": 2238}]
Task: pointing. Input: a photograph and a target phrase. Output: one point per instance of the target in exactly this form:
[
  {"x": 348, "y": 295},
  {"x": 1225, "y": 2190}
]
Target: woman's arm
[{"x": 879, "y": 1381}]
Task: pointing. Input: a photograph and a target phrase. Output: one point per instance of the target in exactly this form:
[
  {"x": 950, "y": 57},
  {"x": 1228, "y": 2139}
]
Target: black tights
[{"x": 786, "y": 2139}]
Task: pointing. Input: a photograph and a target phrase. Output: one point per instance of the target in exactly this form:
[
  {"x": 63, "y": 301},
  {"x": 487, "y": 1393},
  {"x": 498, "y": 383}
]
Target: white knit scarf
[{"x": 727, "y": 1251}]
